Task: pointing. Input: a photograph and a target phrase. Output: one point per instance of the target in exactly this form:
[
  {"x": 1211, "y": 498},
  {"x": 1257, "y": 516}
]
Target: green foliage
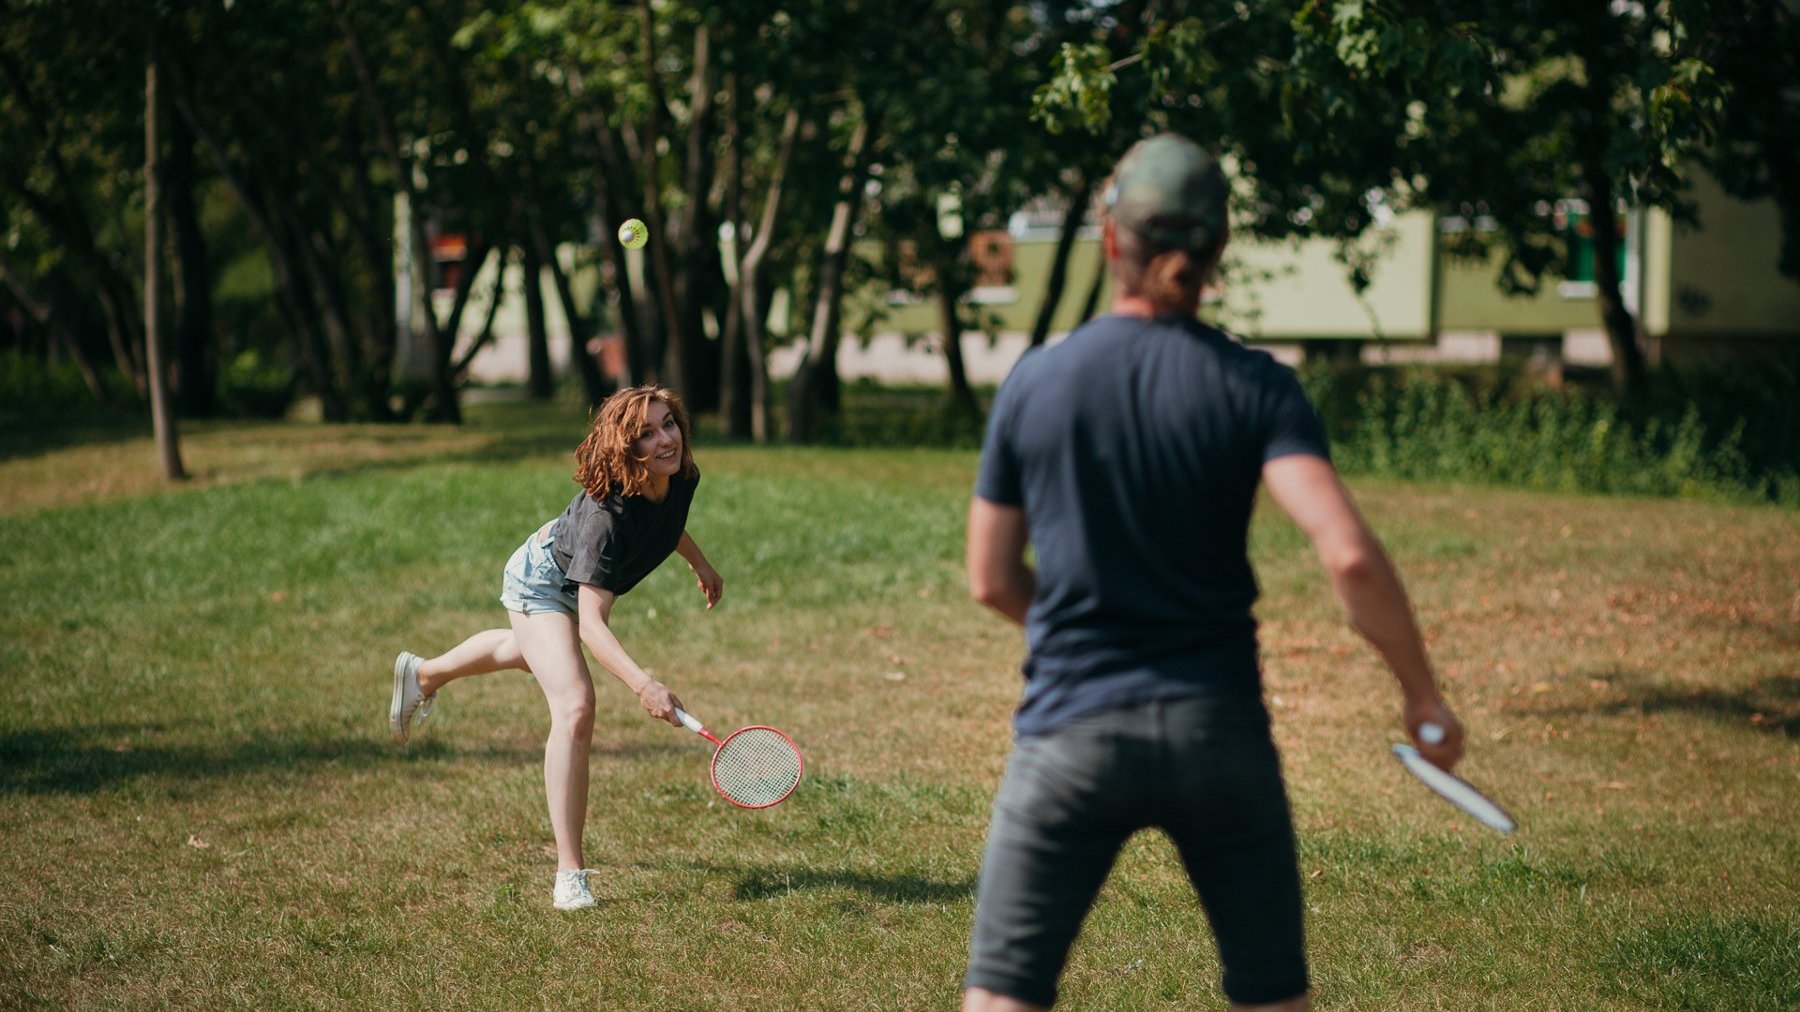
[
  {"x": 1342, "y": 112},
  {"x": 1693, "y": 435},
  {"x": 1079, "y": 92},
  {"x": 516, "y": 120},
  {"x": 29, "y": 384},
  {"x": 253, "y": 385},
  {"x": 1696, "y": 433},
  {"x": 31, "y": 387},
  {"x": 873, "y": 415}
]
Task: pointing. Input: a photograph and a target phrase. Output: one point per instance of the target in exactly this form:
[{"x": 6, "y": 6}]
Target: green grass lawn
[{"x": 199, "y": 806}]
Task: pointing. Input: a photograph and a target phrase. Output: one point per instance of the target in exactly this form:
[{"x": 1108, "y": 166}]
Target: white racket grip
[
  {"x": 688, "y": 721},
  {"x": 1429, "y": 733}
]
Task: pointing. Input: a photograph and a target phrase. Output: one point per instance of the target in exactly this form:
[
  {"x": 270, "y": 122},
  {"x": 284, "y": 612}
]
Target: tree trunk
[
  {"x": 317, "y": 255},
  {"x": 593, "y": 381},
  {"x": 312, "y": 346},
  {"x": 445, "y": 405},
  {"x": 196, "y": 371},
  {"x": 440, "y": 343},
  {"x": 1091, "y": 302},
  {"x": 1059, "y": 264},
  {"x": 74, "y": 234},
  {"x": 950, "y": 293},
  {"x": 675, "y": 343},
  {"x": 46, "y": 319},
  {"x": 1594, "y": 124},
  {"x": 485, "y": 336},
  {"x": 374, "y": 232},
  {"x": 162, "y": 420},
  {"x": 290, "y": 291},
  {"x": 696, "y": 235},
  {"x": 1628, "y": 364},
  {"x": 539, "y": 383},
  {"x": 734, "y": 374},
  {"x": 617, "y": 171},
  {"x": 813, "y": 390},
  {"x": 749, "y": 293},
  {"x": 65, "y": 218}
]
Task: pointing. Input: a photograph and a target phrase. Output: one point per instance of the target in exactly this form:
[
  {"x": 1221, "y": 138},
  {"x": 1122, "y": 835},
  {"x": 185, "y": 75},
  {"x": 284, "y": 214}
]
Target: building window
[
  {"x": 1577, "y": 229},
  {"x": 1576, "y": 226}
]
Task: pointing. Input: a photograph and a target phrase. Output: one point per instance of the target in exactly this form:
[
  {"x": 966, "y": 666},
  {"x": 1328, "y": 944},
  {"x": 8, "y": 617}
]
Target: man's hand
[{"x": 1445, "y": 751}]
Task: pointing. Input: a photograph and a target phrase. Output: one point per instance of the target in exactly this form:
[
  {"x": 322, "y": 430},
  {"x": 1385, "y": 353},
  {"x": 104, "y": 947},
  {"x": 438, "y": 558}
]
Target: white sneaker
[
  {"x": 410, "y": 704},
  {"x": 571, "y": 892}
]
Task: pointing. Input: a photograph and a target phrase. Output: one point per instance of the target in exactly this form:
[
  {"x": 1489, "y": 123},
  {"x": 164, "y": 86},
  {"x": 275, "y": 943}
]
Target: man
[{"x": 1129, "y": 456}]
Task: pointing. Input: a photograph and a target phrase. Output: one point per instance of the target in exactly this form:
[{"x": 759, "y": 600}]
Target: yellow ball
[{"x": 633, "y": 234}]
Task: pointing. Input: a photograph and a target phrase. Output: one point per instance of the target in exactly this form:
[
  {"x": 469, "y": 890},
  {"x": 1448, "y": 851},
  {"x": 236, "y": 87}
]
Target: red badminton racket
[{"x": 752, "y": 767}]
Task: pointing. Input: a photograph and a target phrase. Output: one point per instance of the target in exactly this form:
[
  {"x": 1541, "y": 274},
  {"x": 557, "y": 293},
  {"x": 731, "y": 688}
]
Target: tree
[
  {"x": 1617, "y": 105},
  {"x": 879, "y": 55},
  {"x": 963, "y": 156},
  {"x": 70, "y": 131},
  {"x": 298, "y": 161},
  {"x": 168, "y": 440},
  {"x": 1488, "y": 110}
]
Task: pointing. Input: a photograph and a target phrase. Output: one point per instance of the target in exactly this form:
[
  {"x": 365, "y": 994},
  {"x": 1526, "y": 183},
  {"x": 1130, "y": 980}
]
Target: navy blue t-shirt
[{"x": 1134, "y": 448}]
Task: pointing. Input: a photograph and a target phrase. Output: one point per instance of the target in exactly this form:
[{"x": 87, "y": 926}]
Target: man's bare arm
[
  {"x": 1309, "y": 490},
  {"x": 998, "y": 575}
]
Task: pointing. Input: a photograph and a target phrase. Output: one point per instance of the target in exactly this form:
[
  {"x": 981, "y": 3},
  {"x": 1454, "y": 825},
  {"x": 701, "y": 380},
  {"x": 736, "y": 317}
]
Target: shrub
[
  {"x": 251, "y": 386},
  {"x": 30, "y": 385},
  {"x": 1716, "y": 435}
]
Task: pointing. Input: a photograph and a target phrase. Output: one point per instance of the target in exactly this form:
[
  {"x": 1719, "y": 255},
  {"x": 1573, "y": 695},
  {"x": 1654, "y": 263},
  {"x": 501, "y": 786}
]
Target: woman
[{"x": 637, "y": 478}]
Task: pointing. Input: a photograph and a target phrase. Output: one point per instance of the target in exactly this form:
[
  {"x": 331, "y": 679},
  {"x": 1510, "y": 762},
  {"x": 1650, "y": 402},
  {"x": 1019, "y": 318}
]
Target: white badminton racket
[
  {"x": 1451, "y": 787},
  {"x": 753, "y": 767}
]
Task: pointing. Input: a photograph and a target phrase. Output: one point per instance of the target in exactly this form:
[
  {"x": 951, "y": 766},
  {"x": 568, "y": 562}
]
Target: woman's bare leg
[
  {"x": 486, "y": 651},
  {"x": 552, "y": 652}
]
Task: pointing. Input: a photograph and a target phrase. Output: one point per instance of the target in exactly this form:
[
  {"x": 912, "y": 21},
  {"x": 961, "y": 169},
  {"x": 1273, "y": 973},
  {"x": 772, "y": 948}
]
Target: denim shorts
[
  {"x": 1203, "y": 770},
  {"x": 533, "y": 582}
]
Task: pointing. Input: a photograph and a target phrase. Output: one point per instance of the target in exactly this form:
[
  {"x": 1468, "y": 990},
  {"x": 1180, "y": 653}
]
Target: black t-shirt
[
  {"x": 613, "y": 543},
  {"x": 1134, "y": 449}
]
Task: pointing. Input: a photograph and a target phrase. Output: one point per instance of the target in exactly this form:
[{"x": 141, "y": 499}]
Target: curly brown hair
[{"x": 603, "y": 462}]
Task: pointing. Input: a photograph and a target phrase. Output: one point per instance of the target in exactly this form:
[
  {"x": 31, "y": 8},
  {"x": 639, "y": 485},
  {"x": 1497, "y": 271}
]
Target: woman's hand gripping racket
[
  {"x": 754, "y": 767},
  {"x": 1449, "y": 786}
]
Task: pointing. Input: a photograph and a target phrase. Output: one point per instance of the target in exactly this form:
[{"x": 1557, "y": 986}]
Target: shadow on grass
[
  {"x": 90, "y": 760},
  {"x": 31, "y": 436},
  {"x": 501, "y": 432},
  {"x": 769, "y": 882},
  {"x": 1769, "y": 704}
]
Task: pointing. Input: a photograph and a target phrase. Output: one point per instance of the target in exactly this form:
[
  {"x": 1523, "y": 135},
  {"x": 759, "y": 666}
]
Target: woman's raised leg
[{"x": 486, "y": 651}]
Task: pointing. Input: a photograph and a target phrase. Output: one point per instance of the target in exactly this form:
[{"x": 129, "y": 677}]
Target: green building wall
[{"x": 1724, "y": 272}]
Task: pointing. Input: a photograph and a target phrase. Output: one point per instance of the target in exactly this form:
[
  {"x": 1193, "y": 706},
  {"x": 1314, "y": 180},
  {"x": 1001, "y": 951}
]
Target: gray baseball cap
[{"x": 1168, "y": 190}]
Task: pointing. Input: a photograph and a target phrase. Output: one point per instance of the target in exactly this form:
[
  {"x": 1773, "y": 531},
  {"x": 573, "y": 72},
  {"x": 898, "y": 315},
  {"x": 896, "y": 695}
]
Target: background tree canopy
[{"x": 313, "y": 151}]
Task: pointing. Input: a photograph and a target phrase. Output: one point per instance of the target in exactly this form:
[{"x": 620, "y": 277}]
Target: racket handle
[
  {"x": 1429, "y": 733},
  {"x": 688, "y": 721}
]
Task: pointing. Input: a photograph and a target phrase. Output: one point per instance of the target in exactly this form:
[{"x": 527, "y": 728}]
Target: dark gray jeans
[{"x": 1205, "y": 771}]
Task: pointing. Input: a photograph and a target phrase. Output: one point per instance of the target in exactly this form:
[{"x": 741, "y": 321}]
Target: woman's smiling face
[{"x": 658, "y": 443}]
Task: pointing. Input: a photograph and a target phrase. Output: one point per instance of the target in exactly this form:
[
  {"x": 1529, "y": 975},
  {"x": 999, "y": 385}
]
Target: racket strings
[{"x": 756, "y": 767}]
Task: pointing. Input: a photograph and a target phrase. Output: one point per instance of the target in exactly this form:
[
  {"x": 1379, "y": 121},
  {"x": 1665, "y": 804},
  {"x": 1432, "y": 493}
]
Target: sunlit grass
[{"x": 200, "y": 807}]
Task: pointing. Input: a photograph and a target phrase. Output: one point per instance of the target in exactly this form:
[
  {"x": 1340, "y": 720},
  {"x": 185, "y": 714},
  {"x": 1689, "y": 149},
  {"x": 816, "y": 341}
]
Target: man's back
[{"x": 1134, "y": 448}]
